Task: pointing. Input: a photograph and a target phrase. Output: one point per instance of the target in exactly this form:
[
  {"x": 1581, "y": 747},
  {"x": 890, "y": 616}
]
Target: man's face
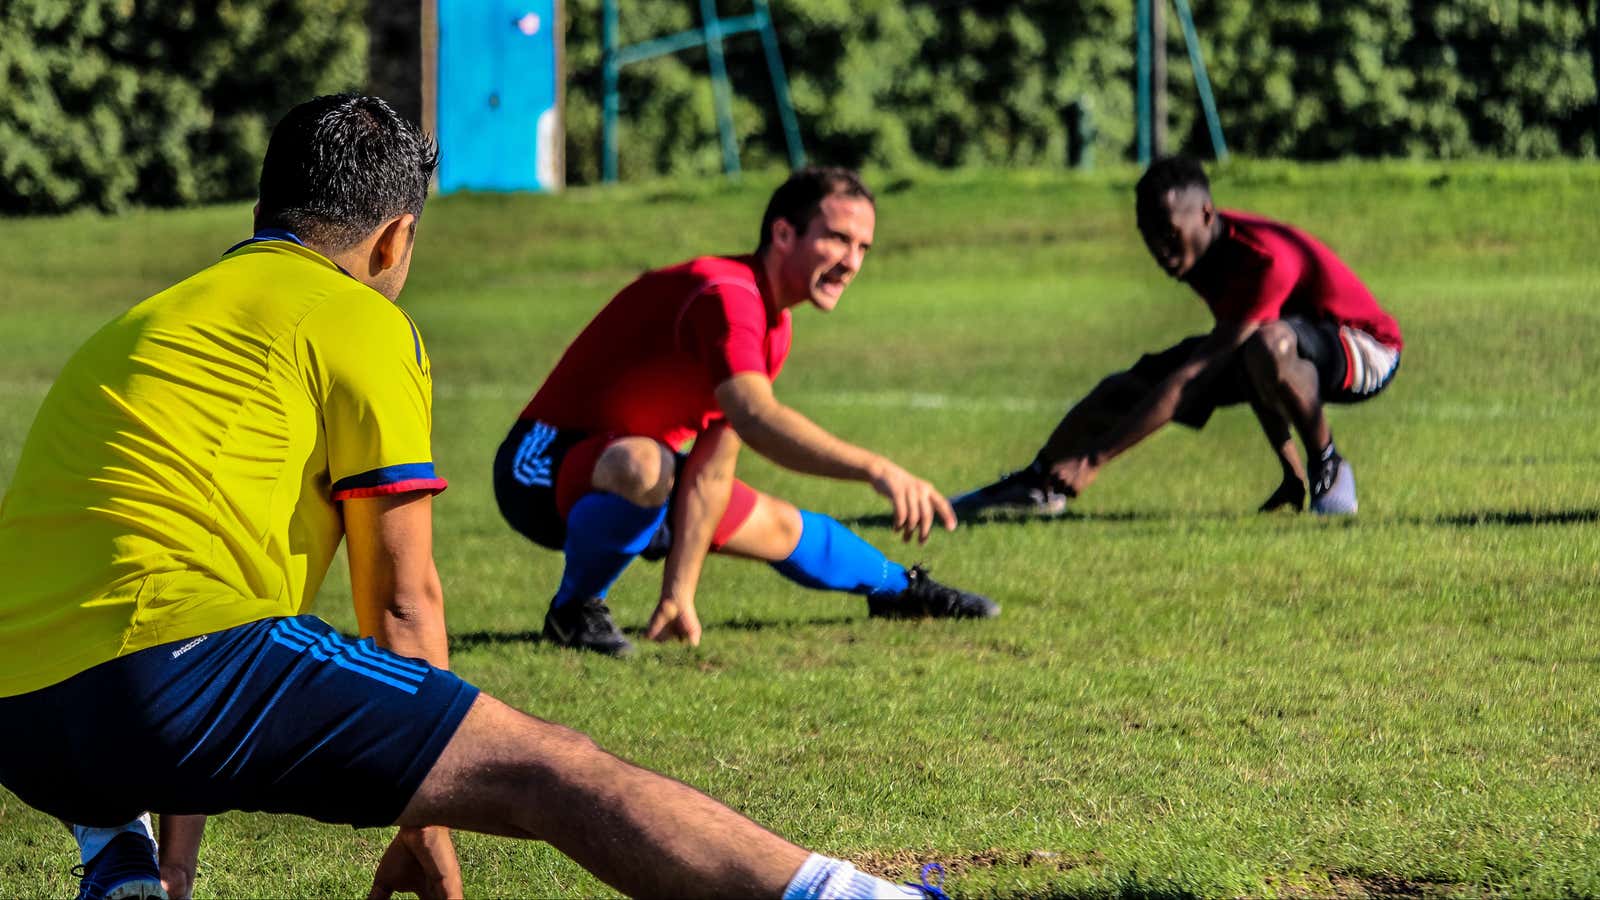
[
  {"x": 820, "y": 262},
  {"x": 1177, "y": 229}
]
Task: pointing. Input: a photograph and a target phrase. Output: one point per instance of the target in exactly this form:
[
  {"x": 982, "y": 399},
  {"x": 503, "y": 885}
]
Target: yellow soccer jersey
[{"x": 184, "y": 473}]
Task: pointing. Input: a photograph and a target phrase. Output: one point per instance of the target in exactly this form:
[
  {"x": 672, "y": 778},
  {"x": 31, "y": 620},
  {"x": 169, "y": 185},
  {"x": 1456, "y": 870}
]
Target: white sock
[
  {"x": 92, "y": 840},
  {"x": 825, "y": 878}
]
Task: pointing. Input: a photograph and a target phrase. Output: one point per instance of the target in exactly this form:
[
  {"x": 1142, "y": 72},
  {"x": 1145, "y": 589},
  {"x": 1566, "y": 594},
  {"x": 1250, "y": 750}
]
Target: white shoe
[{"x": 1335, "y": 496}]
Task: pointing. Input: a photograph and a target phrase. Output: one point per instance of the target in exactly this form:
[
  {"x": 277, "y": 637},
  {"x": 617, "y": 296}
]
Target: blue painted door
[{"x": 499, "y": 129}]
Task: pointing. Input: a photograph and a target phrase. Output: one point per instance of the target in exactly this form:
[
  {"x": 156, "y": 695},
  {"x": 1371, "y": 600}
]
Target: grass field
[{"x": 1181, "y": 698}]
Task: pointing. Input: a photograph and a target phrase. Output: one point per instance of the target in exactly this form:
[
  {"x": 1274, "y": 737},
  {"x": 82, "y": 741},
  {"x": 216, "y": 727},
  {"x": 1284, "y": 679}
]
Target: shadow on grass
[
  {"x": 760, "y": 625},
  {"x": 1517, "y": 517},
  {"x": 473, "y": 640},
  {"x": 886, "y": 520}
]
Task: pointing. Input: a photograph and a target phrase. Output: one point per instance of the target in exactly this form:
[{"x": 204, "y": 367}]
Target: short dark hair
[
  {"x": 798, "y": 199},
  {"x": 341, "y": 165},
  {"x": 1169, "y": 173}
]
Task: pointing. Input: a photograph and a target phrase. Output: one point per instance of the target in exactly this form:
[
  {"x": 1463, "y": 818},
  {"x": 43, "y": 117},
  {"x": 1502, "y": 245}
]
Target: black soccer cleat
[
  {"x": 1026, "y": 491},
  {"x": 586, "y": 625},
  {"x": 1291, "y": 495},
  {"x": 925, "y": 598}
]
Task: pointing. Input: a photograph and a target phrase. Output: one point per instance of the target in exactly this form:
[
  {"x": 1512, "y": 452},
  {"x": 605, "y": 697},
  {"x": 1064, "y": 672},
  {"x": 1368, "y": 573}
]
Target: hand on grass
[
  {"x": 419, "y": 861},
  {"x": 177, "y": 881},
  {"x": 917, "y": 505},
  {"x": 674, "y": 621}
]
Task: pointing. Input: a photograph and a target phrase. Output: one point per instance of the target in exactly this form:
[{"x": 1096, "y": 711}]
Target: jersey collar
[
  {"x": 280, "y": 234},
  {"x": 267, "y": 234}
]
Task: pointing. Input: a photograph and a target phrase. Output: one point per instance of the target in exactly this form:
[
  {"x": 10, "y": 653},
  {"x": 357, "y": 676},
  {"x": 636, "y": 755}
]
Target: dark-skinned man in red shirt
[{"x": 1295, "y": 330}]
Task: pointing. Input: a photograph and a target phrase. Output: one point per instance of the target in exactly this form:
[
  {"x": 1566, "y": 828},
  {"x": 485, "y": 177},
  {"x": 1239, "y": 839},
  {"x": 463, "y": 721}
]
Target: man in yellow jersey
[{"x": 174, "y": 510}]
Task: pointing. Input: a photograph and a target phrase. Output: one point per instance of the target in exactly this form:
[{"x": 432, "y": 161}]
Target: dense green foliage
[
  {"x": 1182, "y": 698},
  {"x": 163, "y": 102},
  {"x": 893, "y": 82},
  {"x": 103, "y": 102}
]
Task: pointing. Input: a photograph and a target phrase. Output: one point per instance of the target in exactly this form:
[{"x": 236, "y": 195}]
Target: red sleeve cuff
[{"x": 430, "y": 485}]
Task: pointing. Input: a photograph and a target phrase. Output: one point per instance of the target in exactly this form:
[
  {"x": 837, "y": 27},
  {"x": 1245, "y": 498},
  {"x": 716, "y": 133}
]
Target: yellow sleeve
[{"x": 364, "y": 363}]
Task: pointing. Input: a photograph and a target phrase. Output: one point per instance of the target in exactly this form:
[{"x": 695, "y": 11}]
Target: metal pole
[
  {"x": 1158, "y": 78},
  {"x": 608, "y": 103},
  {"x": 720, "y": 90},
  {"x": 1594, "y": 62},
  {"x": 1142, "y": 103},
  {"x": 1202, "y": 83},
  {"x": 780, "y": 87}
]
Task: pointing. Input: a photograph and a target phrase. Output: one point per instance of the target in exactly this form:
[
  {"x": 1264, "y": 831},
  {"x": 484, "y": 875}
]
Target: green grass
[{"x": 1181, "y": 697}]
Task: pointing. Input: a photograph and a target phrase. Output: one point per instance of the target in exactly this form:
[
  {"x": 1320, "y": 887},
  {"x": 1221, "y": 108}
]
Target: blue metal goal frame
[
  {"x": 713, "y": 29},
  {"x": 1146, "y": 49}
]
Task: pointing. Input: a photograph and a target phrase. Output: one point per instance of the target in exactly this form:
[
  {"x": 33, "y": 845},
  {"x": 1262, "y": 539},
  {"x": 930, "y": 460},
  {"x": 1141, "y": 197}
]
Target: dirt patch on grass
[
  {"x": 1367, "y": 884},
  {"x": 903, "y": 863}
]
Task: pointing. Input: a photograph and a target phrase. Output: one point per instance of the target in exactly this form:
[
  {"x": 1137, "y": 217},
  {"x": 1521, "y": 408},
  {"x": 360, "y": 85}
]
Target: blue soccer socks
[
  {"x": 831, "y": 557},
  {"x": 604, "y": 534}
]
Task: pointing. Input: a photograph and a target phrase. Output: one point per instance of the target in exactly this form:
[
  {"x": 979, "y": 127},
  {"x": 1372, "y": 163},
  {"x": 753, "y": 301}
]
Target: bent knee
[
  {"x": 640, "y": 470},
  {"x": 1273, "y": 344},
  {"x": 785, "y": 522}
]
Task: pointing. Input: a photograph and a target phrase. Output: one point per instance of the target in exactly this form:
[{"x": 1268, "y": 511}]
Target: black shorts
[
  {"x": 535, "y": 487},
  {"x": 525, "y": 480},
  {"x": 1352, "y": 366},
  {"x": 281, "y": 715}
]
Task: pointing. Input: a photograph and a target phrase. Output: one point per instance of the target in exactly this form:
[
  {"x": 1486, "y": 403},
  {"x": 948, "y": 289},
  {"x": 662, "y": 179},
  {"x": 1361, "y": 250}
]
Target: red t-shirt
[
  {"x": 650, "y": 362},
  {"x": 1260, "y": 270}
]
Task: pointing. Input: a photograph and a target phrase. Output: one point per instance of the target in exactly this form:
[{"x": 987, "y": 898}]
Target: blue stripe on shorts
[{"x": 280, "y": 715}]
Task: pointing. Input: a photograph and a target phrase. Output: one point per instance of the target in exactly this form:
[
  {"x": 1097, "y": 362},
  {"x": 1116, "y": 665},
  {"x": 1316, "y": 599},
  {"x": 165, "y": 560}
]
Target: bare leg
[
  {"x": 1284, "y": 379},
  {"x": 1291, "y": 491},
  {"x": 511, "y": 774},
  {"x": 1091, "y": 418},
  {"x": 637, "y": 469},
  {"x": 770, "y": 534}
]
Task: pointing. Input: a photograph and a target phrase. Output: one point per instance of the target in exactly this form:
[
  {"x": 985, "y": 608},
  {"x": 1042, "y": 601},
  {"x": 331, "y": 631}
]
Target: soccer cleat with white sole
[
  {"x": 125, "y": 869},
  {"x": 1333, "y": 491},
  {"x": 1025, "y": 491}
]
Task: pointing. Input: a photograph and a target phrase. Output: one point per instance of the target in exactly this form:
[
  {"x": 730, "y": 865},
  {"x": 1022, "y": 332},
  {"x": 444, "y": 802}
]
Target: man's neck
[{"x": 766, "y": 269}]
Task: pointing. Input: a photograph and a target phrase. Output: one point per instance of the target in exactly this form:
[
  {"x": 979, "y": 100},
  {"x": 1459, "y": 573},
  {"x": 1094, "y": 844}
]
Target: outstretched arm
[
  {"x": 399, "y": 602},
  {"x": 1157, "y": 408},
  {"x": 795, "y": 442},
  {"x": 702, "y": 499}
]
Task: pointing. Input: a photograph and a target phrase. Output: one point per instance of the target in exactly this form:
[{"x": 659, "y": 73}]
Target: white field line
[
  {"x": 894, "y": 399},
  {"x": 518, "y": 394}
]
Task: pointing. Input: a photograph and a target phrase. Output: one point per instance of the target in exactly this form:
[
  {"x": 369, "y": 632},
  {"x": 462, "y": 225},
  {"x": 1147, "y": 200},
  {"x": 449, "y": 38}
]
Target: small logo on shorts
[
  {"x": 532, "y": 466},
  {"x": 187, "y": 647}
]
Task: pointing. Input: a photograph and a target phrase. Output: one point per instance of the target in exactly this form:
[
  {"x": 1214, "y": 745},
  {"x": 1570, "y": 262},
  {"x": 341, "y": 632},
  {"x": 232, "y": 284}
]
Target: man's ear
[
  {"x": 255, "y": 217},
  {"x": 782, "y": 234},
  {"x": 393, "y": 242}
]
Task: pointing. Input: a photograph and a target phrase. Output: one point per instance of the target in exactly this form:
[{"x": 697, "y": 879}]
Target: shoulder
[
  {"x": 355, "y": 322},
  {"x": 736, "y": 274},
  {"x": 1250, "y": 237},
  {"x": 731, "y": 280},
  {"x": 1275, "y": 244}
]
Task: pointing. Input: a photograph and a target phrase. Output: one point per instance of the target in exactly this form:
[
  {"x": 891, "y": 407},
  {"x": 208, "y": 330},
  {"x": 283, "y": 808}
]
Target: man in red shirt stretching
[
  {"x": 1295, "y": 329},
  {"x": 595, "y": 466}
]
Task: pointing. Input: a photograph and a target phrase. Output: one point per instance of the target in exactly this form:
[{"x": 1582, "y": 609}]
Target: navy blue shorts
[{"x": 281, "y": 716}]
